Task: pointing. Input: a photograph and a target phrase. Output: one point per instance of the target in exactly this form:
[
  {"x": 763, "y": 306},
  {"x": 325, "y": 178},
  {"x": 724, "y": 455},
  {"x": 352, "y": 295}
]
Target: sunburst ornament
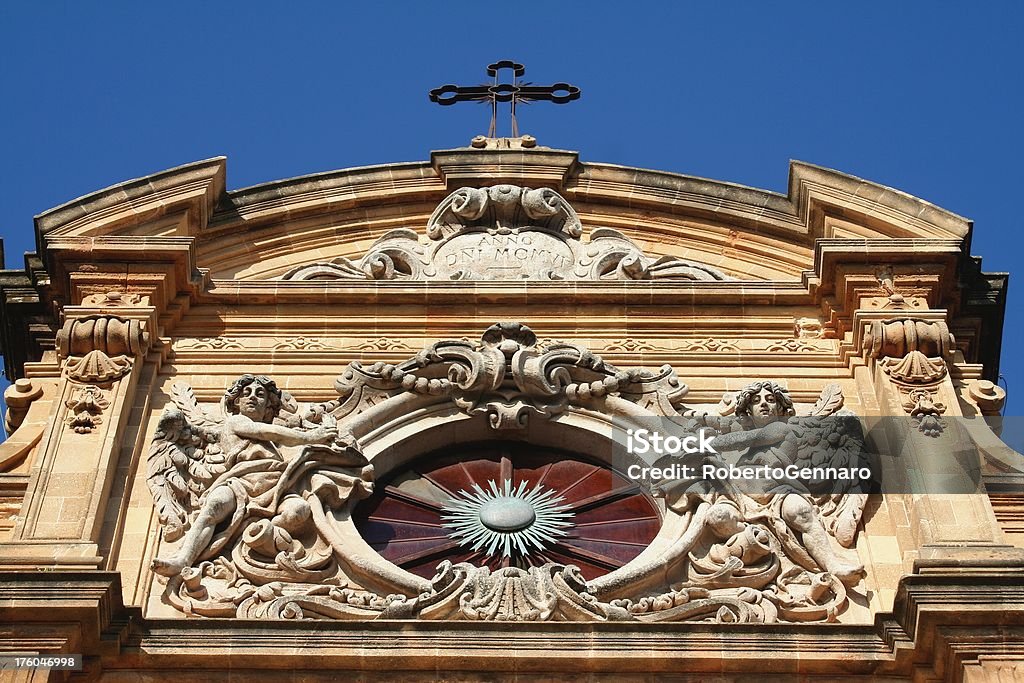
[{"x": 506, "y": 518}]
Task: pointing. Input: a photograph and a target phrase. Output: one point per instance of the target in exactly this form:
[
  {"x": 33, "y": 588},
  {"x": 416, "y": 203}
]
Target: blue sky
[{"x": 922, "y": 96}]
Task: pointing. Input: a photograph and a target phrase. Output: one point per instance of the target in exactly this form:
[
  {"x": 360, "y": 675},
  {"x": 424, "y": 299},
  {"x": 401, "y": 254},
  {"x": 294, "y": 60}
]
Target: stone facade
[{"x": 340, "y": 422}]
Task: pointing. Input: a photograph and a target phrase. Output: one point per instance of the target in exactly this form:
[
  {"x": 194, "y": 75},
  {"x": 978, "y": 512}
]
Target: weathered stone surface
[
  {"x": 505, "y": 232},
  {"x": 844, "y": 292}
]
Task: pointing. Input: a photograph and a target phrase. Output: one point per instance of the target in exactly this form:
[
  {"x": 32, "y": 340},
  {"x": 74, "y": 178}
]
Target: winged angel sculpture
[
  {"x": 251, "y": 483},
  {"x": 775, "y": 537}
]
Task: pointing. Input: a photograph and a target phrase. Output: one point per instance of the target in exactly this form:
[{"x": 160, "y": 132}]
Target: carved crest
[{"x": 505, "y": 232}]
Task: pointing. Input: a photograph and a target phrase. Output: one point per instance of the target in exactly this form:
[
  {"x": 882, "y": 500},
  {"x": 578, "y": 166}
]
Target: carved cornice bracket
[
  {"x": 914, "y": 352},
  {"x": 98, "y": 349}
]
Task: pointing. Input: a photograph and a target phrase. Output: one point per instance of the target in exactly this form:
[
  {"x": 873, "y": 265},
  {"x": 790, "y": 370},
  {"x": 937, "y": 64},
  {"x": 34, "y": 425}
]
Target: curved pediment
[{"x": 714, "y": 228}]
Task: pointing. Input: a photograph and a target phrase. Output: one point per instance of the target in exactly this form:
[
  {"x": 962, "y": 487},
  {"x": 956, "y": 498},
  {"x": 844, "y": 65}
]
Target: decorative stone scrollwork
[
  {"x": 380, "y": 344},
  {"x": 18, "y": 397},
  {"x": 113, "y": 298},
  {"x": 791, "y": 345},
  {"x": 255, "y": 504},
  {"x": 711, "y": 345},
  {"x": 897, "y": 337},
  {"x": 505, "y": 232},
  {"x": 301, "y": 343},
  {"x": 989, "y": 396},
  {"x": 213, "y": 343},
  {"x": 505, "y": 376},
  {"x": 112, "y": 335},
  {"x": 553, "y": 592},
  {"x": 631, "y": 345}
]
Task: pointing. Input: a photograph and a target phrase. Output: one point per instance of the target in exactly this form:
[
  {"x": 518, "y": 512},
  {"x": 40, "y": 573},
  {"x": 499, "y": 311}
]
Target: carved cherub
[
  {"x": 211, "y": 477},
  {"x": 764, "y": 432}
]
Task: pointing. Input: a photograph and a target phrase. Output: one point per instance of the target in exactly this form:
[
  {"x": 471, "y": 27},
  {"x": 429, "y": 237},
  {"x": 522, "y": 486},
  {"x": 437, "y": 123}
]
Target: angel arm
[
  {"x": 279, "y": 434},
  {"x": 769, "y": 435}
]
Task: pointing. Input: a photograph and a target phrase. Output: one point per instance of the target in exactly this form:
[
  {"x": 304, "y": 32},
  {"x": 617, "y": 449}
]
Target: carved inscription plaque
[{"x": 503, "y": 256}]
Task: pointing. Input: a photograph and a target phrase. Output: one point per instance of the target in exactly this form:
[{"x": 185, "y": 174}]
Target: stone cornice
[
  {"x": 192, "y": 188},
  {"x": 198, "y": 189},
  {"x": 636, "y": 293},
  {"x": 943, "y": 618}
]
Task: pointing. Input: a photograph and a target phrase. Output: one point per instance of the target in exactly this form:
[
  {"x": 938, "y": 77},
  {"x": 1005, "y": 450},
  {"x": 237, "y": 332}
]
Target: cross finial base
[{"x": 521, "y": 142}]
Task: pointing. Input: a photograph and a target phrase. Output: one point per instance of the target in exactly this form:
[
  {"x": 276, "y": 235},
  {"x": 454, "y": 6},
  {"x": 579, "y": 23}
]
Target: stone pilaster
[{"x": 101, "y": 357}]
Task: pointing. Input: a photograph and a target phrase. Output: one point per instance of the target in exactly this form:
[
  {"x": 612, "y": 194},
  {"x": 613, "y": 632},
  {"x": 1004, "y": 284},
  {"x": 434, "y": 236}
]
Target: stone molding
[{"x": 945, "y": 621}]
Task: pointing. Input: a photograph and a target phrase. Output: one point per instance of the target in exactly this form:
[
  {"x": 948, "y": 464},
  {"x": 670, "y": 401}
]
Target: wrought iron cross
[{"x": 514, "y": 93}]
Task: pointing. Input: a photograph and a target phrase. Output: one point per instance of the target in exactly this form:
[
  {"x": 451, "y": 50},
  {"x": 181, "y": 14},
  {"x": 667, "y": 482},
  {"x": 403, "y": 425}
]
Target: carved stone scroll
[
  {"x": 254, "y": 504},
  {"x": 18, "y": 397},
  {"x": 505, "y": 232},
  {"x": 100, "y": 348},
  {"x": 112, "y": 335}
]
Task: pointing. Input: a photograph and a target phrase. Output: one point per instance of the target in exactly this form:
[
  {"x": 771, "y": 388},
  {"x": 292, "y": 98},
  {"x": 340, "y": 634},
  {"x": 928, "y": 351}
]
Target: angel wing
[
  {"x": 833, "y": 437},
  {"x": 830, "y": 401},
  {"x": 186, "y": 401},
  {"x": 184, "y": 458}
]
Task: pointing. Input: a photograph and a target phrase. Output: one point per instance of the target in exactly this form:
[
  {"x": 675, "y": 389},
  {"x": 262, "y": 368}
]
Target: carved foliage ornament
[
  {"x": 254, "y": 501},
  {"x": 505, "y": 232},
  {"x": 506, "y": 376}
]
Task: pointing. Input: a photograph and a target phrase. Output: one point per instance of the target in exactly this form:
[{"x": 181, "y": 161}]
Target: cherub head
[
  {"x": 254, "y": 396},
  {"x": 764, "y": 402}
]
